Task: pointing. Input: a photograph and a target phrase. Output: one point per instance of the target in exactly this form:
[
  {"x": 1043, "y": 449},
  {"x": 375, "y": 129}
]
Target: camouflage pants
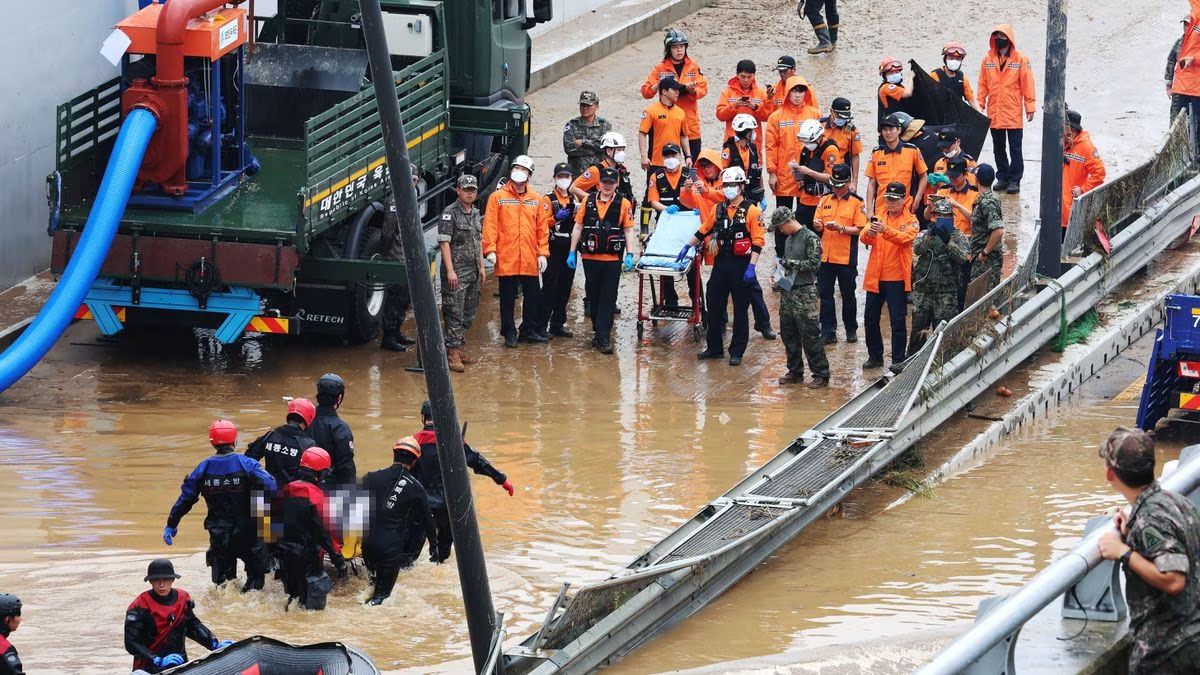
[
  {"x": 458, "y": 310},
  {"x": 800, "y": 330},
  {"x": 395, "y": 308},
  {"x": 928, "y": 310},
  {"x": 1182, "y": 660},
  {"x": 989, "y": 265}
]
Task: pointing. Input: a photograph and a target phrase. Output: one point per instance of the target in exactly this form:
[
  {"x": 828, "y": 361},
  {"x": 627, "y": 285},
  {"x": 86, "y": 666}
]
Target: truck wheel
[
  {"x": 491, "y": 170},
  {"x": 366, "y": 299}
]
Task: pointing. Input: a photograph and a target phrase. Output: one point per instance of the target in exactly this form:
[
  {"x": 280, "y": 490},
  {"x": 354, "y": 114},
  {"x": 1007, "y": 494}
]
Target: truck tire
[
  {"x": 366, "y": 299},
  {"x": 491, "y": 171}
]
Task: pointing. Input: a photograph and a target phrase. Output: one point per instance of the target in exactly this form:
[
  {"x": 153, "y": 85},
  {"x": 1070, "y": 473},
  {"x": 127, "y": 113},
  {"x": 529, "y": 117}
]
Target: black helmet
[
  {"x": 674, "y": 37},
  {"x": 160, "y": 569},
  {"x": 331, "y": 383},
  {"x": 10, "y": 605},
  {"x": 427, "y": 410}
]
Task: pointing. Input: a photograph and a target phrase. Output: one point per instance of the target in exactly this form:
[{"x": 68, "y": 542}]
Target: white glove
[
  {"x": 541, "y": 264},
  {"x": 491, "y": 257}
]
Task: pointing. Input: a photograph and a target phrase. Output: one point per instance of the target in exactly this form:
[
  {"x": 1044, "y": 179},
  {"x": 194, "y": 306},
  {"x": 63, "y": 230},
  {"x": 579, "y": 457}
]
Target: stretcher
[{"x": 659, "y": 263}]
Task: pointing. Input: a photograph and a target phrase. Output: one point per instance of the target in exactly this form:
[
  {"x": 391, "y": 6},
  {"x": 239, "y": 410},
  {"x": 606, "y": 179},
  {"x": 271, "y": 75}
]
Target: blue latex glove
[
  {"x": 673, "y": 209},
  {"x": 762, "y": 205},
  {"x": 564, "y": 213},
  {"x": 169, "y": 535},
  {"x": 749, "y": 278},
  {"x": 628, "y": 266},
  {"x": 168, "y": 661},
  {"x": 695, "y": 212},
  {"x": 220, "y": 644},
  {"x": 572, "y": 259},
  {"x": 684, "y": 253}
]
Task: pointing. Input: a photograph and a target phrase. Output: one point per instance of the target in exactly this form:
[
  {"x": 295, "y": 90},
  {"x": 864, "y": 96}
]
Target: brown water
[{"x": 607, "y": 453}]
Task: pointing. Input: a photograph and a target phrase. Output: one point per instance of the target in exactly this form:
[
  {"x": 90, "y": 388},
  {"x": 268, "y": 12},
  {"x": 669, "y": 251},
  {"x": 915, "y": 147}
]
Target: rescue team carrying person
[
  {"x": 1005, "y": 92},
  {"x": 230, "y": 484},
  {"x": 159, "y": 621},
  {"x": 604, "y": 233},
  {"x": 516, "y": 240},
  {"x": 741, "y": 97},
  {"x": 558, "y": 278},
  {"x": 283, "y": 445},
  {"x": 10, "y": 620},
  {"x": 783, "y": 144},
  {"x": 459, "y": 232},
  {"x": 399, "y": 510},
  {"x": 693, "y": 85},
  {"x": 1083, "y": 170},
  {"x": 303, "y": 518},
  {"x": 428, "y": 471},
  {"x": 736, "y": 228},
  {"x": 332, "y": 433}
]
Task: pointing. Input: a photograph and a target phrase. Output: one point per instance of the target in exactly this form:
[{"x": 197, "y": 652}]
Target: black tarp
[{"x": 940, "y": 108}]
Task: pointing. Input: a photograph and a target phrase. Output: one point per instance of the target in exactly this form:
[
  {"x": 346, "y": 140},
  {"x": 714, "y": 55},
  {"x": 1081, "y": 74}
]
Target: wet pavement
[{"x": 608, "y": 453}]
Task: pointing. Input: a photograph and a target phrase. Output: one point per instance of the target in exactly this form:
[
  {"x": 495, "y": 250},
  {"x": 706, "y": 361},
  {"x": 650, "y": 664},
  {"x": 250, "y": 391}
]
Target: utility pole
[
  {"x": 1054, "y": 114},
  {"x": 472, "y": 570}
]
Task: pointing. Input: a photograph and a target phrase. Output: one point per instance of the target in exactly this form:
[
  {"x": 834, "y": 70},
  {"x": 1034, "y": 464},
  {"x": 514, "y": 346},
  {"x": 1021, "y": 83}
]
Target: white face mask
[
  {"x": 562, "y": 183},
  {"x": 810, "y": 146},
  {"x": 671, "y": 163},
  {"x": 730, "y": 191},
  {"x": 619, "y": 157},
  {"x": 895, "y": 78},
  {"x": 954, "y": 64},
  {"x": 519, "y": 175}
]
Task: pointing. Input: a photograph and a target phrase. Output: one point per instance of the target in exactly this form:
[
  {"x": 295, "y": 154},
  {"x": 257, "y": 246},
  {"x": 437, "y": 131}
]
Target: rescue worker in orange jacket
[
  {"x": 812, "y": 169},
  {"x": 894, "y": 162},
  {"x": 604, "y": 233},
  {"x": 703, "y": 189},
  {"x": 839, "y": 219},
  {"x": 612, "y": 145},
  {"x": 663, "y": 122},
  {"x": 783, "y": 145},
  {"x": 516, "y": 240},
  {"x": 743, "y": 96},
  {"x": 677, "y": 65},
  {"x": 1083, "y": 170},
  {"x": 840, "y": 128},
  {"x": 1186, "y": 80},
  {"x": 888, "y": 278},
  {"x": 664, "y": 193},
  {"x": 785, "y": 66},
  {"x": 1007, "y": 96},
  {"x": 736, "y": 230},
  {"x": 951, "y": 76},
  {"x": 892, "y": 90}
]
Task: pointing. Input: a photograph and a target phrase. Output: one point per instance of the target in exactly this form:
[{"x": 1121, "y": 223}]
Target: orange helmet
[
  {"x": 954, "y": 47},
  {"x": 890, "y": 63},
  {"x": 315, "y": 459},
  {"x": 304, "y": 409},
  {"x": 407, "y": 444},
  {"x": 222, "y": 432}
]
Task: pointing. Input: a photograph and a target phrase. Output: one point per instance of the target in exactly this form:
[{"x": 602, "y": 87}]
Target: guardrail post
[
  {"x": 1001, "y": 658},
  {"x": 1098, "y": 596}
]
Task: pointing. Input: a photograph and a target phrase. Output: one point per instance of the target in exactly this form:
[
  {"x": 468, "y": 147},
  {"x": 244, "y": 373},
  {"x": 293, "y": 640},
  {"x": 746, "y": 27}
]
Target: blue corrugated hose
[{"x": 89, "y": 254}]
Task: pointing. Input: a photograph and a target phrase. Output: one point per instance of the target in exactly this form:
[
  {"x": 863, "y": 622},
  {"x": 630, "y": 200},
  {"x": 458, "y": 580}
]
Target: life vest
[
  {"x": 754, "y": 186},
  {"x": 815, "y": 160},
  {"x": 560, "y": 232},
  {"x": 167, "y": 619},
  {"x": 733, "y": 236},
  {"x": 667, "y": 194},
  {"x": 953, "y": 82},
  {"x": 602, "y": 235}
]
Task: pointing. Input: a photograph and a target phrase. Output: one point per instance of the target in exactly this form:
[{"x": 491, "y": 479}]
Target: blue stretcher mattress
[{"x": 671, "y": 234}]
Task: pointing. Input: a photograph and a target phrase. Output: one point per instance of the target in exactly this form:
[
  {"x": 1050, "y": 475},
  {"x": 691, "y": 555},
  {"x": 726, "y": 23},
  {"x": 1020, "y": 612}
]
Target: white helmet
[
  {"x": 524, "y": 161},
  {"x": 810, "y": 131},
  {"x": 743, "y": 121},
  {"x": 734, "y": 174},
  {"x": 612, "y": 139}
]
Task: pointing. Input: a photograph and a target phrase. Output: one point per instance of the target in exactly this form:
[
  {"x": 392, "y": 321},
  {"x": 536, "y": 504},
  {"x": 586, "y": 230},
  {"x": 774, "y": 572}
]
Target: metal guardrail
[
  {"x": 733, "y": 534},
  {"x": 1004, "y": 619}
]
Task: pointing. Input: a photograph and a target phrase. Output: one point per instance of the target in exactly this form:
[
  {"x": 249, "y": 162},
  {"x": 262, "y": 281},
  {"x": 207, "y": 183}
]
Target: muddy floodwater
[{"x": 607, "y": 454}]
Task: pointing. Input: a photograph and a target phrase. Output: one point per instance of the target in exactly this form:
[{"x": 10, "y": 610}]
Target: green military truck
[{"x": 288, "y": 241}]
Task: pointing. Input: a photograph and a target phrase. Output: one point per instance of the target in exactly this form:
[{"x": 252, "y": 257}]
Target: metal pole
[
  {"x": 1046, "y": 587},
  {"x": 472, "y": 570},
  {"x": 1054, "y": 113}
]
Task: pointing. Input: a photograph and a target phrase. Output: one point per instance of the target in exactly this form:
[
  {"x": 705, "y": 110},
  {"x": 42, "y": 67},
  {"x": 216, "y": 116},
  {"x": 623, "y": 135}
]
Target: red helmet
[
  {"x": 890, "y": 63},
  {"x": 222, "y": 432},
  {"x": 315, "y": 459},
  {"x": 954, "y": 47},
  {"x": 304, "y": 408}
]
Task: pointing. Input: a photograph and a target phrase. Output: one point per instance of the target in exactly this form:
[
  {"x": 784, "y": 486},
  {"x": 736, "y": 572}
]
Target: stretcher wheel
[
  {"x": 641, "y": 330},
  {"x": 697, "y": 331}
]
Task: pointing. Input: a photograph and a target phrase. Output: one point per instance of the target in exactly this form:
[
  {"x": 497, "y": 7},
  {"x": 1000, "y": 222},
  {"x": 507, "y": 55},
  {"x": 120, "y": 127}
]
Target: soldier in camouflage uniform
[
  {"x": 581, "y": 136},
  {"x": 397, "y": 300},
  {"x": 799, "y": 323},
  {"x": 459, "y": 232},
  {"x": 987, "y": 229},
  {"x": 1159, "y": 547},
  {"x": 940, "y": 252}
]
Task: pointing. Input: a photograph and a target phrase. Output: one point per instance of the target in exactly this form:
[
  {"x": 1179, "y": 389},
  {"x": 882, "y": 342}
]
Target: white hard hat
[
  {"x": 525, "y": 161},
  {"x": 810, "y": 131},
  {"x": 734, "y": 174},
  {"x": 612, "y": 139},
  {"x": 743, "y": 121}
]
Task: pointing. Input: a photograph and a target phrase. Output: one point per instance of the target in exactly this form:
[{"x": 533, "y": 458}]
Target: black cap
[
  {"x": 985, "y": 175},
  {"x": 895, "y": 191},
  {"x": 160, "y": 569},
  {"x": 609, "y": 175},
  {"x": 839, "y": 175},
  {"x": 670, "y": 83},
  {"x": 671, "y": 149},
  {"x": 785, "y": 62},
  {"x": 746, "y": 66},
  {"x": 947, "y": 137},
  {"x": 1075, "y": 120},
  {"x": 841, "y": 106},
  {"x": 10, "y": 605},
  {"x": 957, "y": 166},
  {"x": 331, "y": 383},
  {"x": 427, "y": 409},
  {"x": 892, "y": 120},
  {"x": 561, "y": 168}
]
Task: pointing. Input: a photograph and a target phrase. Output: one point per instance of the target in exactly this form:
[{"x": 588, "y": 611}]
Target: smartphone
[
  {"x": 692, "y": 174},
  {"x": 874, "y": 219},
  {"x": 936, "y": 198}
]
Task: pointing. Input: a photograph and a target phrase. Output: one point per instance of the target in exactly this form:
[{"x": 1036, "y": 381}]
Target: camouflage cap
[
  {"x": 1128, "y": 450},
  {"x": 943, "y": 207},
  {"x": 588, "y": 98},
  {"x": 780, "y": 216},
  {"x": 467, "y": 181}
]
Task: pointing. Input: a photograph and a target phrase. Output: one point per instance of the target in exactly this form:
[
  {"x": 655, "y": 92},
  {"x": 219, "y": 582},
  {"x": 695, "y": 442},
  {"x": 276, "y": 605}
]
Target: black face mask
[{"x": 1002, "y": 43}]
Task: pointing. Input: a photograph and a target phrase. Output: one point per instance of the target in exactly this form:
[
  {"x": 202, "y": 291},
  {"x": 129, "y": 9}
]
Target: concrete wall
[
  {"x": 53, "y": 57},
  {"x": 565, "y": 10}
]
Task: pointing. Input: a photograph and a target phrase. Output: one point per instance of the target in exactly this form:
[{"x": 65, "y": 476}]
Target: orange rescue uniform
[
  {"x": 664, "y": 125},
  {"x": 1187, "y": 80},
  {"x": 1082, "y": 168},
  {"x": 891, "y": 250},
  {"x": 754, "y": 223},
  {"x": 689, "y": 74},
  {"x": 830, "y": 156},
  {"x": 704, "y": 194},
  {"x": 848, "y": 140},
  {"x": 1006, "y": 84},
  {"x": 602, "y": 208},
  {"x": 728, "y": 108},
  {"x": 897, "y": 165},
  {"x": 782, "y": 144},
  {"x": 516, "y": 227},
  {"x": 848, "y": 211}
]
